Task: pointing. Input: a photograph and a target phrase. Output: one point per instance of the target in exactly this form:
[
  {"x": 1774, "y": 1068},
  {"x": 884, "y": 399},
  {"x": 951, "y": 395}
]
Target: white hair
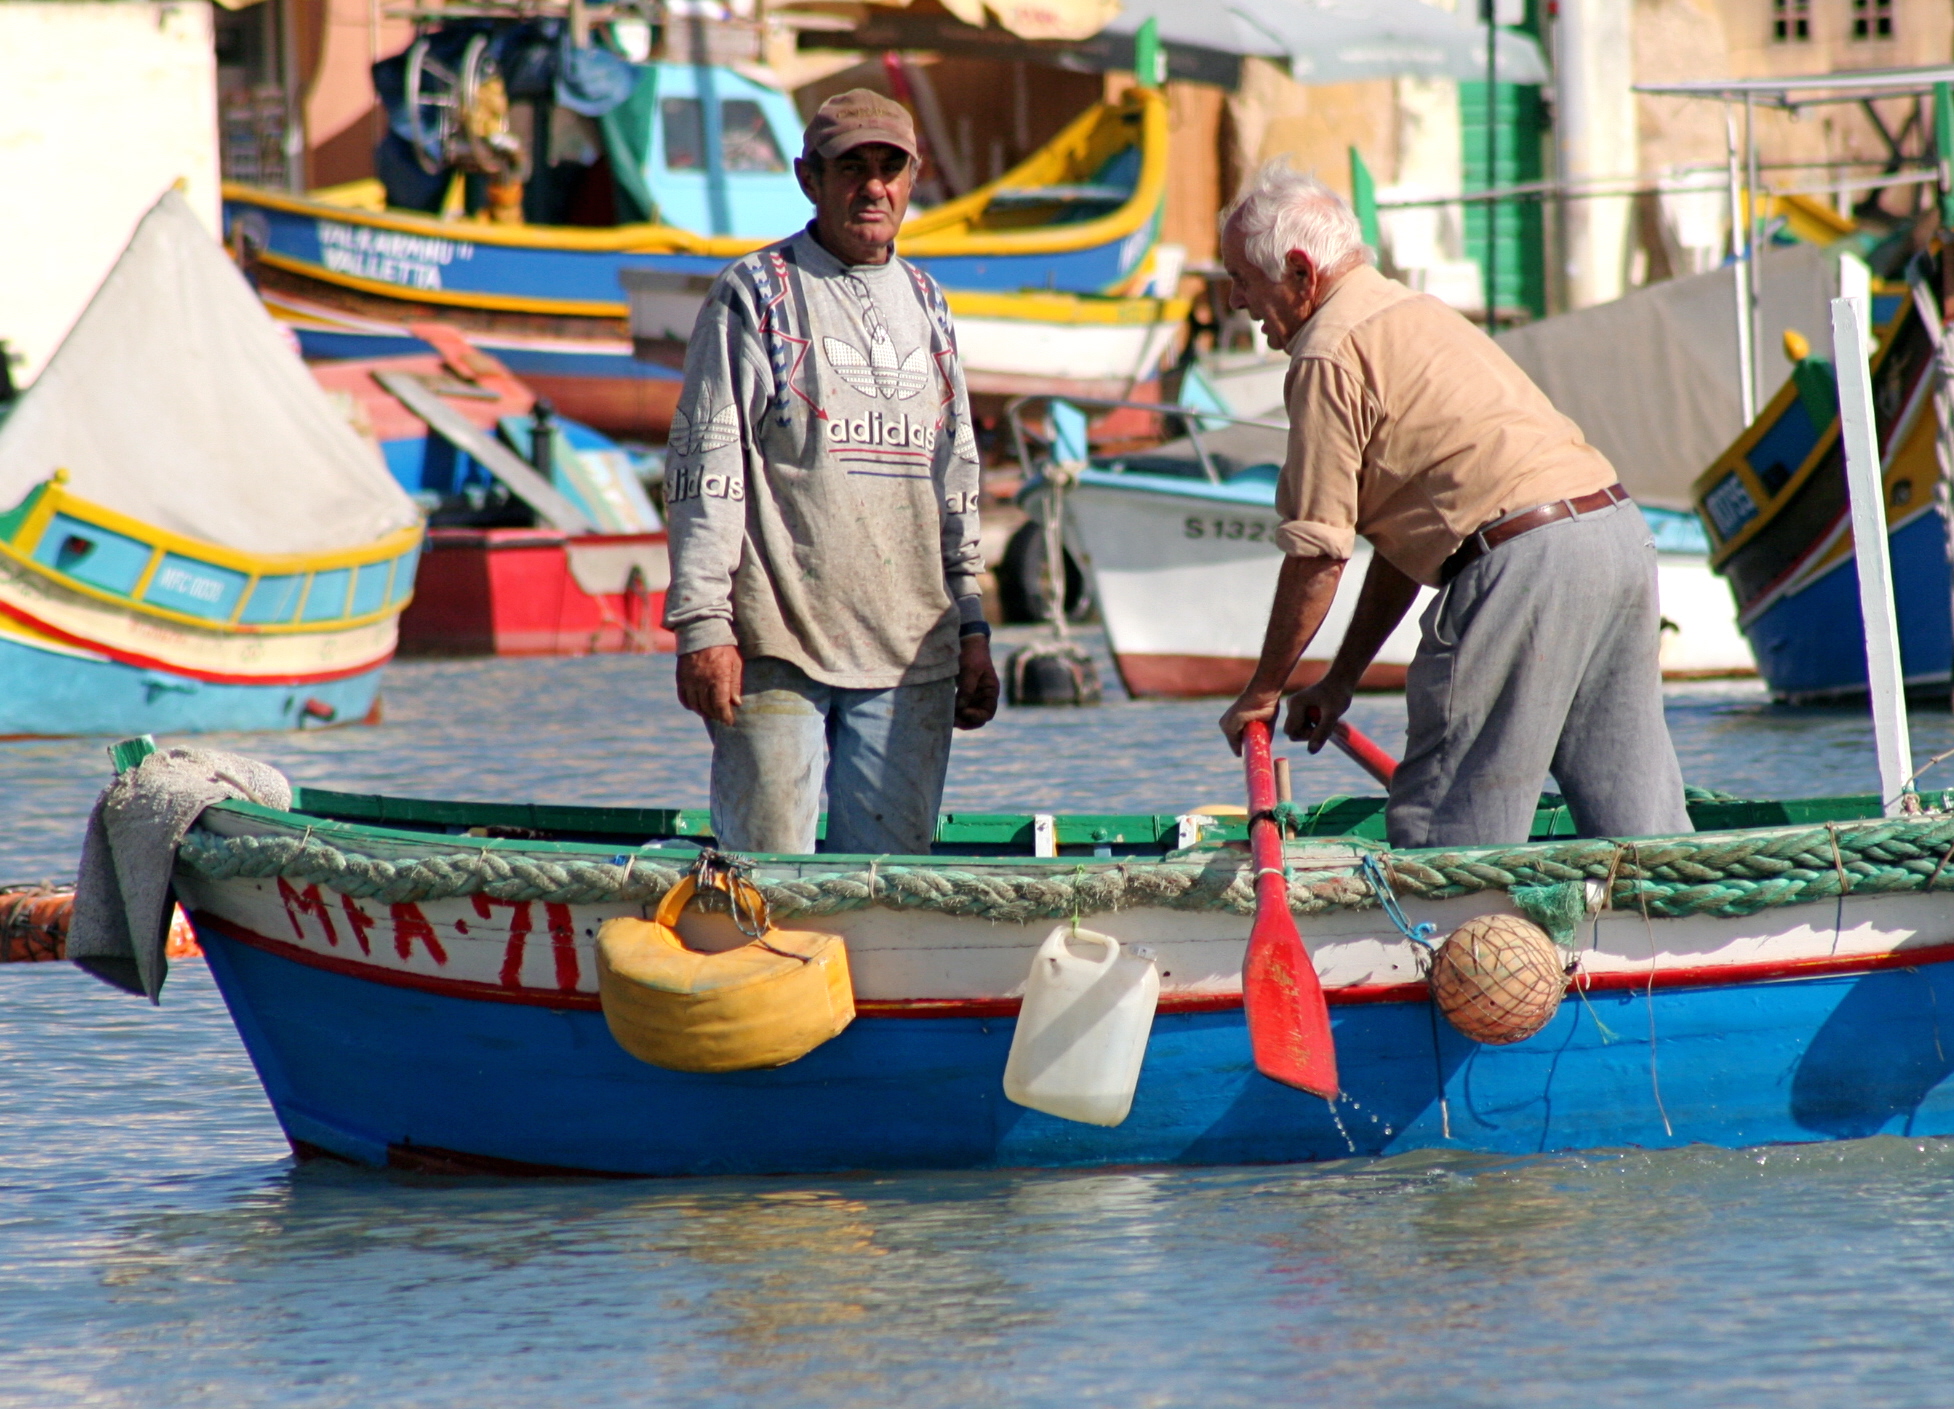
[{"x": 1282, "y": 209}]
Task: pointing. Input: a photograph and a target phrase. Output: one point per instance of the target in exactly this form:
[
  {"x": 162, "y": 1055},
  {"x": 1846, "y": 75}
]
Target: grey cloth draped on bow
[{"x": 122, "y": 897}]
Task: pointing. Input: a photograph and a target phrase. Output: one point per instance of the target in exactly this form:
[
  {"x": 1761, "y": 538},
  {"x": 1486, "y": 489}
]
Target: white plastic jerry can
[{"x": 1088, "y": 1007}]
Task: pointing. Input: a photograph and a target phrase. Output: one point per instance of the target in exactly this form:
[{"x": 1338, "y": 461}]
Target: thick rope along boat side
[
  {"x": 1221, "y": 883},
  {"x": 1721, "y": 873}
]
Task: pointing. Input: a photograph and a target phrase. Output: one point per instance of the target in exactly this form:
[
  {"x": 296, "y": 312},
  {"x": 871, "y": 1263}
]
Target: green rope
[
  {"x": 1721, "y": 873},
  {"x": 1557, "y": 909},
  {"x": 1219, "y": 881}
]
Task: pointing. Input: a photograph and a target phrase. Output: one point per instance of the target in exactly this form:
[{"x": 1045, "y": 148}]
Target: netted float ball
[{"x": 1498, "y": 979}]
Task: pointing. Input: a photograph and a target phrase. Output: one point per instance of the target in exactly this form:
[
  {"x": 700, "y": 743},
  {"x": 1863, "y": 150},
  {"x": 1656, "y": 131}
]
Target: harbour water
[{"x": 159, "y": 1247}]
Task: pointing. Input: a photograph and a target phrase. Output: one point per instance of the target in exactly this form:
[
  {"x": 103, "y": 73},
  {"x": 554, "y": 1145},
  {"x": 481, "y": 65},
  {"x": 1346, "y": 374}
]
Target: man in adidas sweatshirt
[{"x": 821, "y": 488}]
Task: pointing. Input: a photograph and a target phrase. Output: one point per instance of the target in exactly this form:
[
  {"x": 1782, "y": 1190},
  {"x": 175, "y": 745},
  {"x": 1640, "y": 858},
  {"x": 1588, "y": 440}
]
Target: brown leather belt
[{"x": 1506, "y": 530}]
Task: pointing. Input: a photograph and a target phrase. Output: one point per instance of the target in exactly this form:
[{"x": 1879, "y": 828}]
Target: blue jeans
[{"x": 882, "y": 754}]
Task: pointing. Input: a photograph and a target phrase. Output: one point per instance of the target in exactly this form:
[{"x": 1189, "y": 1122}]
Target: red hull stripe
[
  {"x": 1701, "y": 976},
  {"x": 1188, "y": 676},
  {"x": 172, "y": 668}
]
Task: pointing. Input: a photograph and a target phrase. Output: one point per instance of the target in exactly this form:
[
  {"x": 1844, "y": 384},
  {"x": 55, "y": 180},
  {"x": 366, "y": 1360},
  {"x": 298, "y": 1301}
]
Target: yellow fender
[{"x": 765, "y": 1004}]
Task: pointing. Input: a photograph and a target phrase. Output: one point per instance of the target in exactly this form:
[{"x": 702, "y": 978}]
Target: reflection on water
[{"x": 157, "y": 1247}]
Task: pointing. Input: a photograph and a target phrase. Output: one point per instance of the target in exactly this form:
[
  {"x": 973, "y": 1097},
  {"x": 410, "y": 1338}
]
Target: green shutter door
[{"x": 1522, "y": 249}]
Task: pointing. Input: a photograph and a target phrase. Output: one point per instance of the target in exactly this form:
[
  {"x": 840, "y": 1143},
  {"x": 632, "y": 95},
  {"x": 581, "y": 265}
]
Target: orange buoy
[
  {"x": 34, "y": 926},
  {"x": 1498, "y": 979}
]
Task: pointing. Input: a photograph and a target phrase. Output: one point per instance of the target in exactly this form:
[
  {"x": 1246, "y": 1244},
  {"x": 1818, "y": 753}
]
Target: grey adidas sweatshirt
[{"x": 821, "y": 479}]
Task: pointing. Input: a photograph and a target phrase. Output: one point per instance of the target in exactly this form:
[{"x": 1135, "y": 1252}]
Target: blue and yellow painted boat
[
  {"x": 193, "y": 538},
  {"x": 418, "y": 990},
  {"x": 1776, "y": 511},
  {"x": 105, "y": 619},
  {"x": 1078, "y": 219}
]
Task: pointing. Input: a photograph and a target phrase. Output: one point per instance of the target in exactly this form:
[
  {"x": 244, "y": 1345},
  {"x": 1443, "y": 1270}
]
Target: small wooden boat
[
  {"x": 417, "y": 983},
  {"x": 1775, "y": 507},
  {"x": 1183, "y": 566},
  {"x": 194, "y": 537},
  {"x": 1079, "y": 216},
  {"x": 499, "y": 577}
]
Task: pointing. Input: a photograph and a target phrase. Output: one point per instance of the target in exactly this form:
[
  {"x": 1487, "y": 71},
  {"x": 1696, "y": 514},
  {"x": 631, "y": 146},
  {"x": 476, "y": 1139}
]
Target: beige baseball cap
[{"x": 856, "y": 118}]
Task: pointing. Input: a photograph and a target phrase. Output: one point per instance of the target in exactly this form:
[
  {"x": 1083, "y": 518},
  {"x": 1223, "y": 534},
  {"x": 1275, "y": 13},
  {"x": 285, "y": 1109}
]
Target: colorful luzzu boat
[
  {"x": 1074, "y": 224},
  {"x": 106, "y": 622},
  {"x": 498, "y": 576},
  {"x": 1775, "y": 507},
  {"x": 417, "y": 983},
  {"x": 193, "y": 537}
]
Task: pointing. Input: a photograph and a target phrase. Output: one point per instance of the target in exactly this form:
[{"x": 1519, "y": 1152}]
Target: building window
[
  {"x": 1872, "y": 19},
  {"x": 1791, "y": 21}
]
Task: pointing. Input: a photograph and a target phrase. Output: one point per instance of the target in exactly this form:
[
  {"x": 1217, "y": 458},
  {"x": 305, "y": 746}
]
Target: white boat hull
[
  {"x": 1021, "y": 356},
  {"x": 1185, "y": 576}
]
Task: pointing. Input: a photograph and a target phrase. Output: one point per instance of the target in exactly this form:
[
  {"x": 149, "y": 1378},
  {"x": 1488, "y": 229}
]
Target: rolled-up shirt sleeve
[{"x": 1330, "y": 423}]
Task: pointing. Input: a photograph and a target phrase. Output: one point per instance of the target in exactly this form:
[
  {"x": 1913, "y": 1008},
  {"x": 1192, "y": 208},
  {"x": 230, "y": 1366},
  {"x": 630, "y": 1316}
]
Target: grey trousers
[
  {"x": 883, "y": 755},
  {"x": 1541, "y": 656}
]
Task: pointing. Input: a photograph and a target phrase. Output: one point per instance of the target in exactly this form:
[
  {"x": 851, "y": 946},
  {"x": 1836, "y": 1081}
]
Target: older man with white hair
[{"x": 1410, "y": 426}]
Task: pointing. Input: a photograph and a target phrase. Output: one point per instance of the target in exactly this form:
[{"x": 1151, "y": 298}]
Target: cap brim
[{"x": 847, "y": 142}]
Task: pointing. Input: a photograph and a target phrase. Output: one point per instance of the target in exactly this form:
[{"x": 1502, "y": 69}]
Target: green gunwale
[{"x": 581, "y": 830}]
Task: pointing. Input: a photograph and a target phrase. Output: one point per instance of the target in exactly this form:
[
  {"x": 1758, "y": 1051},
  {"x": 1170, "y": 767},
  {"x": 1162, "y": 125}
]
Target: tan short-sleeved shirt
[{"x": 1410, "y": 426}]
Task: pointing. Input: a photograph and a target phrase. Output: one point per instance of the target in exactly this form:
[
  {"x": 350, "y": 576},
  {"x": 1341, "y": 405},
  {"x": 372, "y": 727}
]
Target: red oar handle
[{"x": 1364, "y": 751}]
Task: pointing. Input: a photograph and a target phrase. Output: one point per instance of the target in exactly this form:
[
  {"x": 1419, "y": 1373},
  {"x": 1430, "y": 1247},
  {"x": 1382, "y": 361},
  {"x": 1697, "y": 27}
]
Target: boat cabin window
[
  {"x": 685, "y": 138},
  {"x": 746, "y": 141}
]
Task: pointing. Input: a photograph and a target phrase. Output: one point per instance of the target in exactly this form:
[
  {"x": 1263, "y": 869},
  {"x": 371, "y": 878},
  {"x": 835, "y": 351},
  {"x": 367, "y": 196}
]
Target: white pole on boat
[
  {"x": 1753, "y": 243},
  {"x": 1740, "y": 265},
  {"x": 1865, "y": 484}
]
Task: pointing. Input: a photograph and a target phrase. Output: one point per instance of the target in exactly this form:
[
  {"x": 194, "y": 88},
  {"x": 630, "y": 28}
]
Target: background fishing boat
[
  {"x": 420, "y": 1000},
  {"x": 508, "y": 570},
  {"x": 1775, "y": 508},
  {"x": 194, "y": 536},
  {"x": 695, "y": 171},
  {"x": 1179, "y": 544}
]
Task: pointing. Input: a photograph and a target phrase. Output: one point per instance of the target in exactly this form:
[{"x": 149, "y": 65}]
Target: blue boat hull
[
  {"x": 384, "y": 1074},
  {"x": 528, "y": 363},
  {"x": 53, "y": 693},
  {"x": 1812, "y": 643},
  {"x": 570, "y": 281}
]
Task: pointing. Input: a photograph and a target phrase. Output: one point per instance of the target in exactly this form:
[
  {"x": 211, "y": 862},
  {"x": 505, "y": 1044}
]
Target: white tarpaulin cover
[
  {"x": 1341, "y": 41},
  {"x": 1651, "y": 379},
  {"x": 176, "y": 400}
]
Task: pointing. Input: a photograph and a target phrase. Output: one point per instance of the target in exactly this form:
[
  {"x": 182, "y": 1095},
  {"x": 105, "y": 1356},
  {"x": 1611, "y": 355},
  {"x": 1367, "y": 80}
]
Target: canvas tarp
[
  {"x": 1651, "y": 378},
  {"x": 1341, "y": 41},
  {"x": 176, "y": 400}
]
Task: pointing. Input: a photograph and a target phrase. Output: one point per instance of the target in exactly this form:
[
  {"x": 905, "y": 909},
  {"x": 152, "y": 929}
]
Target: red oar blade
[{"x": 1288, "y": 1022}]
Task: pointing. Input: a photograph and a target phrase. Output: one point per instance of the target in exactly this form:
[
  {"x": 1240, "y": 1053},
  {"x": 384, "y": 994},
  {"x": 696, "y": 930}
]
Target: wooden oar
[{"x": 1288, "y": 1023}]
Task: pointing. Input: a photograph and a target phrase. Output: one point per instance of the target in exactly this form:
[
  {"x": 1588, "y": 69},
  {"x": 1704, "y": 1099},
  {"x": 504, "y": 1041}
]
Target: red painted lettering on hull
[
  {"x": 520, "y": 925},
  {"x": 409, "y": 925},
  {"x": 563, "y": 945},
  {"x": 361, "y": 922},
  {"x": 306, "y": 902}
]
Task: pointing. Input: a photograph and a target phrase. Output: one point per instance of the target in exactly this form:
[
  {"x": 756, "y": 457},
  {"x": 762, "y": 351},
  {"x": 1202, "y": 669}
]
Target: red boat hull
[{"x": 537, "y": 592}]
